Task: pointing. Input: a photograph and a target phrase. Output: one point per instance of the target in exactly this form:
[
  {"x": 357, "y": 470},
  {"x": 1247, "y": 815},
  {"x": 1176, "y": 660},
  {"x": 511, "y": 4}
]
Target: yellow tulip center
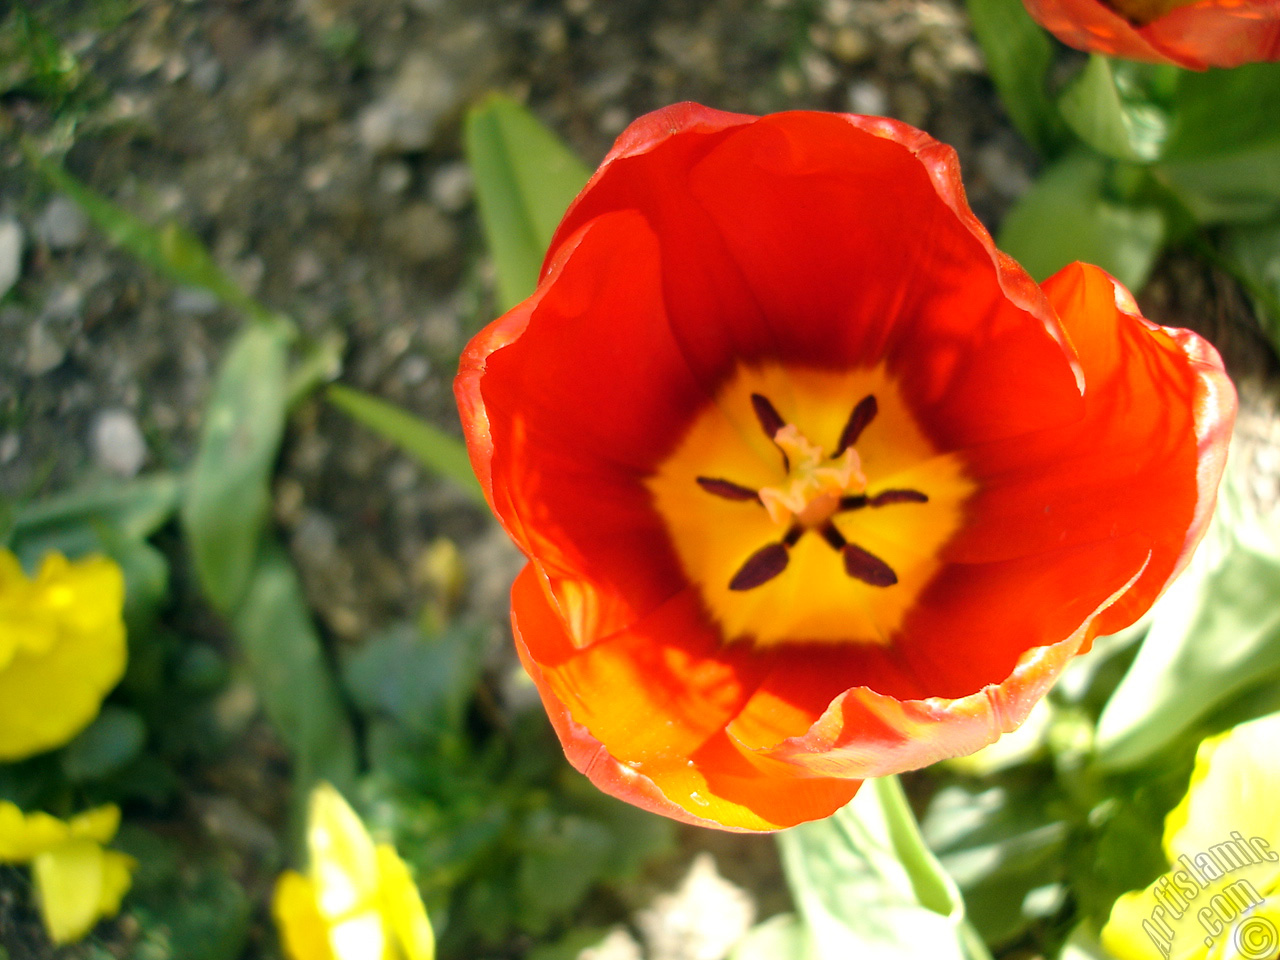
[
  {"x": 807, "y": 506},
  {"x": 1142, "y": 12}
]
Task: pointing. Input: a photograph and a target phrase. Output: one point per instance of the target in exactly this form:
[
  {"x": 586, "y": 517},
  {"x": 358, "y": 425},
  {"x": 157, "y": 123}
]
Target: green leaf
[
  {"x": 136, "y": 509},
  {"x": 225, "y": 507},
  {"x": 170, "y": 249},
  {"x": 1223, "y": 157},
  {"x": 525, "y": 178},
  {"x": 561, "y": 857},
  {"x": 1254, "y": 254},
  {"x": 1123, "y": 127},
  {"x": 866, "y": 885},
  {"x": 429, "y": 445},
  {"x": 200, "y": 914},
  {"x": 1214, "y": 633},
  {"x": 1019, "y": 57},
  {"x": 1069, "y": 214},
  {"x": 424, "y": 683},
  {"x": 999, "y": 843},
  {"x": 287, "y": 663},
  {"x": 105, "y": 746},
  {"x": 781, "y": 937}
]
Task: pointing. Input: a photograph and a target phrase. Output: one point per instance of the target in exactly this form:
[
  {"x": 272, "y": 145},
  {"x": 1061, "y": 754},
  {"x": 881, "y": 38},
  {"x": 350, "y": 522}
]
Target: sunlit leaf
[
  {"x": 1069, "y": 215},
  {"x": 224, "y": 510},
  {"x": 170, "y": 249},
  {"x": 436, "y": 450},
  {"x": 1214, "y": 634},
  {"x": 999, "y": 842},
  {"x": 1019, "y": 55},
  {"x": 287, "y": 663},
  {"x": 525, "y": 177},
  {"x": 866, "y": 886},
  {"x": 1126, "y": 128}
]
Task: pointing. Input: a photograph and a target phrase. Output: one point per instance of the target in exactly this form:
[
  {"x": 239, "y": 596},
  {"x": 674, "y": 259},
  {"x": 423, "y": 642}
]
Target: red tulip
[
  {"x": 815, "y": 484},
  {"x": 1196, "y": 35}
]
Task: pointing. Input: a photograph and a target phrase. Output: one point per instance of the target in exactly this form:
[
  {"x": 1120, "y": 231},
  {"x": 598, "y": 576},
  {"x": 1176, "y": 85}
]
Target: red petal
[
  {"x": 651, "y": 721},
  {"x": 1212, "y": 33},
  {"x": 566, "y": 414},
  {"x": 969, "y": 336}
]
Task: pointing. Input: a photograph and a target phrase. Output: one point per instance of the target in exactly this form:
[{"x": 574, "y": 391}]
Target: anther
[
  {"x": 867, "y": 567},
  {"x": 886, "y": 497},
  {"x": 833, "y": 536},
  {"x": 770, "y": 422},
  {"x": 761, "y": 567},
  {"x": 863, "y": 413},
  {"x": 727, "y": 489}
]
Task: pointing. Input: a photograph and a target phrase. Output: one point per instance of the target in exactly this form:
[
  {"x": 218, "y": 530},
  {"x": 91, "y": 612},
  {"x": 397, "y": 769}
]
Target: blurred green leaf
[
  {"x": 561, "y": 857},
  {"x": 289, "y": 670},
  {"x": 525, "y": 178},
  {"x": 1069, "y": 215},
  {"x": 1019, "y": 55},
  {"x": 999, "y": 842},
  {"x": 105, "y": 746},
  {"x": 170, "y": 249},
  {"x": 227, "y": 498},
  {"x": 424, "y": 683},
  {"x": 781, "y": 937},
  {"x": 570, "y": 946},
  {"x": 866, "y": 885},
  {"x": 200, "y": 914},
  {"x": 1254, "y": 253},
  {"x": 136, "y": 508},
  {"x": 429, "y": 445},
  {"x": 1214, "y": 633},
  {"x": 1123, "y": 127},
  {"x": 1223, "y": 157}
]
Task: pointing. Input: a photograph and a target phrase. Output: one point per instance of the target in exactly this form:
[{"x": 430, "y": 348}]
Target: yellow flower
[
  {"x": 1220, "y": 899},
  {"x": 62, "y": 649},
  {"x": 357, "y": 901},
  {"x": 77, "y": 881}
]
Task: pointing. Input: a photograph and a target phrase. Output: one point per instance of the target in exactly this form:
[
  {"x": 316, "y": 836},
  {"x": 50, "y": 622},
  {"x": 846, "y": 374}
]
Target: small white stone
[
  {"x": 451, "y": 187},
  {"x": 62, "y": 224},
  {"x": 118, "y": 444},
  {"x": 10, "y": 254},
  {"x": 868, "y": 98}
]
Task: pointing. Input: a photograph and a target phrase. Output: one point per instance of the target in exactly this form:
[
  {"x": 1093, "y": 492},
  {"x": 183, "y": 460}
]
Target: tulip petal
[
  {"x": 575, "y": 412},
  {"x": 721, "y": 789},
  {"x": 1211, "y": 33},
  {"x": 1144, "y": 460}
]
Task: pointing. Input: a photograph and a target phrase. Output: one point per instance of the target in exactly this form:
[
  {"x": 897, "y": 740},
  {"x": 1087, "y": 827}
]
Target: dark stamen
[
  {"x": 867, "y": 567},
  {"x": 863, "y": 414},
  {"x": 833, "y": 536},
  {"x": 886, "y": 497},
  {"x": 761, "y": 567},
  {"x": 793, "y": 535},
  {"x": 727, "y": 489},
  {"x": 770, "y": 420},
  {"x": 853, "y": 502}
]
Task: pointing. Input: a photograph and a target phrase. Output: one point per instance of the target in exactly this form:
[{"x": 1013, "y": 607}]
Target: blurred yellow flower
[
  {"x": 77, "y": 881},
  {"x": 62, "y": 649},
  {"x": 357, "y": 900},
  {"x": 1220, "y": 899}
]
